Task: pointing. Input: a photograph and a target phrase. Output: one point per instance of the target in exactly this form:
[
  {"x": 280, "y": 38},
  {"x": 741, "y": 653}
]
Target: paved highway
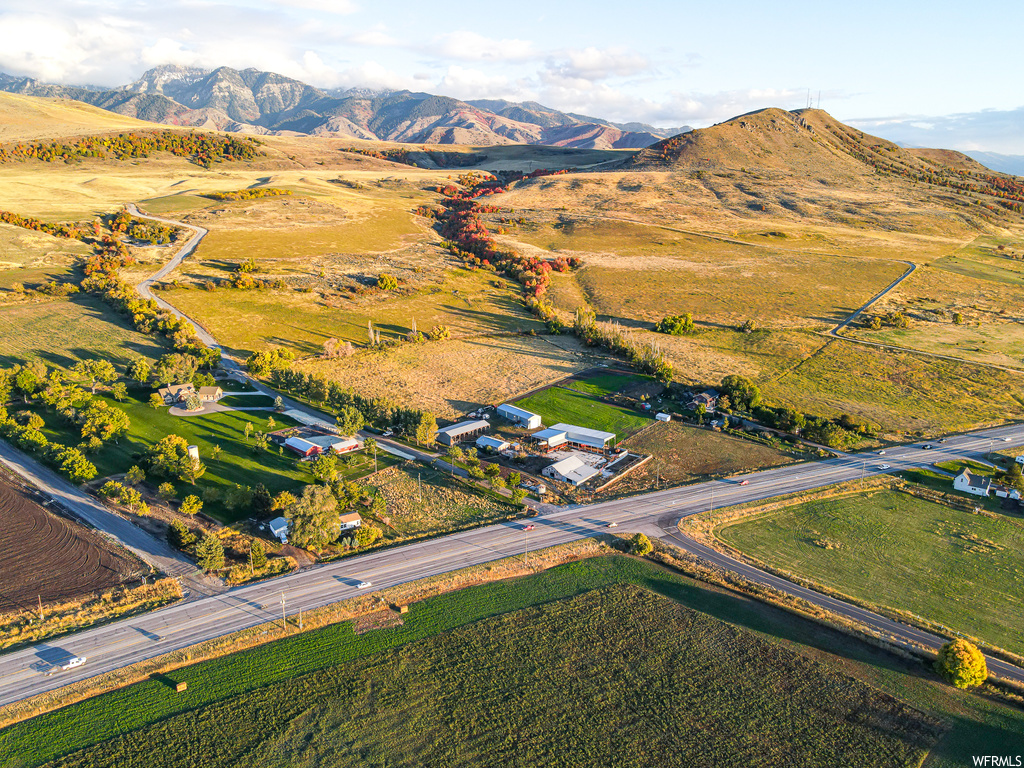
[{"x": 24, "y": 672}]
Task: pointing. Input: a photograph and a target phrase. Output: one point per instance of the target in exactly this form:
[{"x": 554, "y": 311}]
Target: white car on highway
[
  {"x": 77, "y": 661},
  {"x": 884, "y": 466},
  {"x": 363, "y": 585}
]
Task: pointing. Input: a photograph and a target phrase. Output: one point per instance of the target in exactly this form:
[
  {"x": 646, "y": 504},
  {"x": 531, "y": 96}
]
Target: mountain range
[{"x": 253, "y": 101}]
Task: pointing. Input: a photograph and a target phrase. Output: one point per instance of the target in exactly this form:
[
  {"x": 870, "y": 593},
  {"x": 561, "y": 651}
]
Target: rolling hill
[{"x": 252, "y": 101}]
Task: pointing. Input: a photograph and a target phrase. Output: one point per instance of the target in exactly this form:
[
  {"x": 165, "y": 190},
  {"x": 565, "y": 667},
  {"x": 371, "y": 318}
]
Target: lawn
[
  {"x": 681, "y": 453},
  {"x": 611, "y": 383},
  {"x": 237, "y": 462},
  {"x": 893, "y": 549},
  {"x": 556, "y": 404},
  {"x": 61, "y": 332},
  {"x": 585, "y": 675}
]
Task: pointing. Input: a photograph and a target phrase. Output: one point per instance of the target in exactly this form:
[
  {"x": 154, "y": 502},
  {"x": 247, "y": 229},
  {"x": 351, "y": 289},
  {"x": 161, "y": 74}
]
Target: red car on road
[{"x": 529, "y": 527}]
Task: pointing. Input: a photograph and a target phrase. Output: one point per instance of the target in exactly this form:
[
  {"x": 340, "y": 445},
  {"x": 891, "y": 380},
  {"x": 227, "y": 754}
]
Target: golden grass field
[
  {"x": 452, "y": 377},
  {"x": 32, "y": 258}
]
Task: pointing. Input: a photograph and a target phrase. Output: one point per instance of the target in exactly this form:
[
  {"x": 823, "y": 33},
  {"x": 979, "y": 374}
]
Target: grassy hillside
[{"x": 24, "y": 118}]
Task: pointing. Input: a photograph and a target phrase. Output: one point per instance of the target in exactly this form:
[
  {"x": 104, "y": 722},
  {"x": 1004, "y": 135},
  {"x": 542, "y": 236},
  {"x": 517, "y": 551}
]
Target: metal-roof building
[
  {"x": 583, "y": 437},
  {"x": 519, "y": 416},
  {"x": 302, "y": 447},
  {"x": 491, "y": 443},
  {"x": 464, "y": 430},
  {"x": 550, "y": 437},
  {"x": 336, "y": 444},
  {"x": 571, "y": 470}
]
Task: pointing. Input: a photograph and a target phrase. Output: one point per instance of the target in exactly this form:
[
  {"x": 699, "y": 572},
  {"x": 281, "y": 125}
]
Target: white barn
[{"x": 519, "y": 416}]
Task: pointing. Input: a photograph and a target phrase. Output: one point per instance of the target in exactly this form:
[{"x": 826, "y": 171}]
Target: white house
[
  {"x": 1020, "y": 459},
  {"x": 571, "y": 470},
  {"x": 488, "y": 443},
  {"x": 663, "y": 416},
  {"x": 968, "y": 483},
  {"x": 350, "y": 521},
  {"x": 519, "y": 416},
  {"x": 279, "y": 528}
]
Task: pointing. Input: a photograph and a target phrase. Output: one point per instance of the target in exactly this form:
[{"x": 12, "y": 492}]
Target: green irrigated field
[
  {"x": 602, "y": 384},
  {"x": 60, "y": 332},
  {"x": 577, "y": 664},
  {"x": 556, "y": 404},
  {"x": 896, "y": 550}
]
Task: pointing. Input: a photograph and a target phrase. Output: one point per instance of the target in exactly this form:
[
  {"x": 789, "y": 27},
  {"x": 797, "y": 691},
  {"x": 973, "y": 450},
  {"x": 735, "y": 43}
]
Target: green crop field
[
  {"x": 556, "y": 405},
  {"x": 663, "y": 685},
  {"x": 602, "y": 384},
  {"x": 674, "y": 674},
  {"x": 896, "y": 550},
  {"x": 60, "y": 332}
]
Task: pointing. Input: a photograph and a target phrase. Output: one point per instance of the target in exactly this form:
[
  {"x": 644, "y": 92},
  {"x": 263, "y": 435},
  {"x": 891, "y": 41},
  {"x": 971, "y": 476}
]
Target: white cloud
[
  {"x": 988, "y": 131},
  {"x": 597, "y": 64},
  {"x": 470, "y": 46}
]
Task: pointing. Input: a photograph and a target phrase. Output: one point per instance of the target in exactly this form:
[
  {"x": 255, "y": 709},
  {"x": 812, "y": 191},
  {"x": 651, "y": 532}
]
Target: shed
[
  {"x": 571, "y": 470},
  {"x": 464, "y": 430},
  {"x": 302, "y": 447},
  {"x": 488, "y": 443},
  {"x": 550, "y": 437},
  {"x": 279, "y": 528},
  {"x": 582, "y": 437},
  {"x": 663, "y": 417},
  {"x": 519, "y": 416}
]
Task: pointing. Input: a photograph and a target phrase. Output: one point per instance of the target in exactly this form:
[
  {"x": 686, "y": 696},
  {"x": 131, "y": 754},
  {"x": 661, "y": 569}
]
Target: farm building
[
  {"x": 549, "y": 438},
  {"x": 488, "y": 443},
  {"x": 350, "y": 520},
  {"x": 464, "y": 430},
  {"x": 518, "y": 416},
  {"x": 336, "y": 444},
  {"x": 1020, "y": 459},
  {"x": 210, "y": 394},
  {"x": 663, "y": 417},
  {"x": 302, "y": 447},
  {"x": 176, "y": 393},
  {"x": 279, "y": 529},
  {"x": 968, "y": 483},
  {"x": 587, "y": 439},
  {"x": 571, "y": 470}
]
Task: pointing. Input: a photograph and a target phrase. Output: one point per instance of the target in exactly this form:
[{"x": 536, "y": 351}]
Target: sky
[{"x": 941, "y": 74}]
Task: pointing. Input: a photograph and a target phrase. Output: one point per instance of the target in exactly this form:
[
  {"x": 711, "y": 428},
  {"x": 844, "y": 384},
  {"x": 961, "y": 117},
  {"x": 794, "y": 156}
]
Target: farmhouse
[
  {"x": 1020, "y": 459},
  {"x": 176, "y": 393},
  {"x": 210, "y": 394},
  {"x": 968, "y": 483},
  {"x": 493, "y": 444},
  {"x": 302, "y": 446},
  {"x": 571, "y": 470},
  {"x": 464, "y": 430},
  {"x": 279, "y": 528},
  {"x": 350, "y": 520},
  {"x": 336, "y": 444},
  {"x": 707, "y": 398},
  {"x": 587, "y": 439},
  {"x": 519, "y": 416}
]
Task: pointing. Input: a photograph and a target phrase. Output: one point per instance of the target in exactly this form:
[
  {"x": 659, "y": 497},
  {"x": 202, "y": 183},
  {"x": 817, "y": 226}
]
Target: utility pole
[
  {"x": 526, "y": 549},
  {"x": 419, "y": 487},
  {"x": 41, "y": 607},
  {"x": 284, "y": 620},
  {"x": 300, "y": 619},
  {"x": 712, "y": 499}
]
